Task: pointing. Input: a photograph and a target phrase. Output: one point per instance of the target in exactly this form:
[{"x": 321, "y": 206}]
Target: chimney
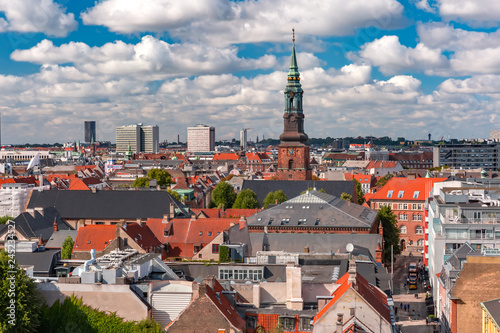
[
  {"x": 31, "y": 211},
  {"x": 40, "y": 178},
  {"x": 294, "y": 299},
  {"x": 94, "y": 190},
  {"x": 209, "y": 281},
  {"x": 322, "y": 301},
  {"x": 138, "y": 220},
  {"x": 340, "y": 323},
  {"x": 256, "y": 295},
  {"x": 56, "y": 228},
  {"x": 171, "y": 212},
  {"x": 306, "y": 249},
  {"x": 352, "y": 272}
]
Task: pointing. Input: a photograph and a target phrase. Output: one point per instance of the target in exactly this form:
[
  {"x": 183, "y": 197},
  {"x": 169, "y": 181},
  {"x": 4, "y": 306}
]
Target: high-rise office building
[
  {"x": 243, "y": 139},
  {"x": 90, "y": 131},
  {"x": 140, "y": 138},
  {"x": 201, "y": 138}
]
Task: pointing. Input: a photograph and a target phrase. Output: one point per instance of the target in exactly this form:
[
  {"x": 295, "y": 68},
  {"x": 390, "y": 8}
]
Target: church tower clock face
[{"x": 291, "y": 151}]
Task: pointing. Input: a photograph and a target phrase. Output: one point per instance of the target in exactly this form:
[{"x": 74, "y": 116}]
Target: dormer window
[
  {"x": 400, "y": 194},
  {"x": 389, "y": 194},
  {"x": 416, "y": 194}
]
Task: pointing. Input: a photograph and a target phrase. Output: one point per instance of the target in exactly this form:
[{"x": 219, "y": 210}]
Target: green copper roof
[{"x": 294, "y": 69}]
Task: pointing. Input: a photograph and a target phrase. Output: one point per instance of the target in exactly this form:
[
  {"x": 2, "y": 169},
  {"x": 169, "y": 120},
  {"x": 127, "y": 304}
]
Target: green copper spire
[{"x": 293, "y": 73}]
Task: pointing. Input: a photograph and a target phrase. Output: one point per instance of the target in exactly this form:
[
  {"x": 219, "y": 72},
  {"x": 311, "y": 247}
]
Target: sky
[{"x": 368, "y": 67}]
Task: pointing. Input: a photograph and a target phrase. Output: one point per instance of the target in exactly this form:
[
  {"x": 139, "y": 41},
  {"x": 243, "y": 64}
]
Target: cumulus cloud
[
  {"x": 36, "y": 16},
  {"x": 222, "y": 22},
  {"x": 425, "y": 6},
  {"x": 473, "y": 12},
  {"x": 391, "y": 57},
  {"x": 151, "y": 57}
]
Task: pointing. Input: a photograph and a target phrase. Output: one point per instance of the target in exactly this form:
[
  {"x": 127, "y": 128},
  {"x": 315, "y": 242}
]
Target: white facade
[
  {"x": 13, "y": 198},
  {"x": 23, "y": 155},
  {"x": 243, "y": 139},
  {"x": 460, "y": 212},
  {"x": 201, "y": 138}
]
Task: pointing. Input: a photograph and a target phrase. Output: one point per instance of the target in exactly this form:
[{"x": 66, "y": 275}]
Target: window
[
  {"x": 302, "y": 221},
  {"x": 251, "y": 322},
  {"x": 419, "y": 230},
  {"x": 201, "y": 233},
  {"x": 215, "y": 248},
  {"x": 210, "y": 233},
  {"x": 403, "y": 229},
  {"x": 416, "y": 194},
  {"x": 288, "y": 323},
  {"x": 400, "y": 194},
  {"x": 402, "y": 206},
  {"x": 420, "y": 242},
  {"x": 414, "y": 207},
  {"x": 419, "y": 206},
  {"x": 403, "y": 217},
  {"x": 389, "y": 194},
  {"x": 417, "y": 217},
  {"x": 305, "y": 324}
]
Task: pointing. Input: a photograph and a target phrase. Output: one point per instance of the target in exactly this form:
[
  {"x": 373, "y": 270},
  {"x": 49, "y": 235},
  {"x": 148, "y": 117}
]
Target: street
[{"x": 413, "y": 319}]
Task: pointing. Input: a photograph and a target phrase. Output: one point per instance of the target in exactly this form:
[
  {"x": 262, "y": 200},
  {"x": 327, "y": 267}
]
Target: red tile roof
[
  {"x": 77, "y": 184},
  {"x": 363, "y": 179},
  {"x": 237, "y": 213},
  {"x": 224, "y": 306},
  {"x": 185, "y": 234},
  {"x": 94, "y": 237},
  {"x": 405, "y": 189},
  {"x": 142, "y": 236},
  {"x": 226, "y": 156},
  {"x": 381, "y": 164}
]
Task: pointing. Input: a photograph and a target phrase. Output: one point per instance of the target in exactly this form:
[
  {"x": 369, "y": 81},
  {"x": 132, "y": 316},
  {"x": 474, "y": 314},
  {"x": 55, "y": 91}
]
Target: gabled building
[
  {"x": 210, "y": 311},
  {"x": 354, "y": 304}
]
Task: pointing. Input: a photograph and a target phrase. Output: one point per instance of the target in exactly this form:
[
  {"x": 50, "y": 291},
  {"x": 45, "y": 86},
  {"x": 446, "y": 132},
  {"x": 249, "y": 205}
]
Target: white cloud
[
  {"x": 391, "y": 57},
  {"x": 474, "y": 12},
  {"x": 444, "y": 36},
  {"x": 222, "y": 22},
  {"x": 478, "y": 84},
  {"x": 36, "y": 16},
  {"x": 425, "y": 6},
  {"x": 150, "y": 57}
]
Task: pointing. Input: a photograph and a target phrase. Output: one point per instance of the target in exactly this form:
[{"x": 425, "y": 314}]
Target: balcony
[{"x": 464, "y": 220}]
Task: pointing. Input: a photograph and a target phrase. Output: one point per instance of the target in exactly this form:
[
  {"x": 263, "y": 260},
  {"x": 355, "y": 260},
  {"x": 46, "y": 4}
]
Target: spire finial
[{"x": 293, "y": 35}]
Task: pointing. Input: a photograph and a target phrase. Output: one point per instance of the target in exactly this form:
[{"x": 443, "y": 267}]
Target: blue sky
[{"x": 368, "y": 67}]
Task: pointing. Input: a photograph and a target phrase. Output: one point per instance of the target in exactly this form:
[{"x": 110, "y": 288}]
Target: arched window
[
  {"x": 403, "y": 229},
  {"x": 290, "y": 164},
  {"x": 420, "y": 242},
  {"x": 419, "y": 230}
]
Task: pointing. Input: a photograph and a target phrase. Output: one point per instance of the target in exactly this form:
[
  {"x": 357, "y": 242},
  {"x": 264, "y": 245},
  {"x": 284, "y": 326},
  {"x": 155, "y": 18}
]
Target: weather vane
[{"x": 293, "y": 35}]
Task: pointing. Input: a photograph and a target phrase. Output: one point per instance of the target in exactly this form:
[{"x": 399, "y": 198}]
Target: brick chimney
[
  {"x": 209, "y": 281},
  {"x": 294, "y": 299},
  {"x": 56, "y": 227},
  {"x": 352, "y": 272}
]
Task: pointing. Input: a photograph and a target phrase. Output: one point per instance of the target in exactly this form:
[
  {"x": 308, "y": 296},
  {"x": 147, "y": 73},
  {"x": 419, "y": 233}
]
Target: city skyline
[{"x": 379, "y": 67}]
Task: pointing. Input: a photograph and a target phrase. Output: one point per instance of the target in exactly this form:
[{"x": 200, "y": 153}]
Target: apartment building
[
  {"x": 201, "y": 138},
  {"x": 467, "y": 156}
]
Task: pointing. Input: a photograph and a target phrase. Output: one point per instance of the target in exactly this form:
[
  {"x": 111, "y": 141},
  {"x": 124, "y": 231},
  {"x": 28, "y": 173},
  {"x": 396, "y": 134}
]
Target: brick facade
[{"x": 294, "y": 163}]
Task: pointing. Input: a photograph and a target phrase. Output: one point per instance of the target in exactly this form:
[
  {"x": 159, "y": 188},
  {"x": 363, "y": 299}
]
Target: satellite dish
[{"x": 349, "y": 247}]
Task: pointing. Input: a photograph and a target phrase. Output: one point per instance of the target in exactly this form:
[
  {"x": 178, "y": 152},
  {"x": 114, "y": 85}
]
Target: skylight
[
  {"x": 400, "y": 194},
  {"x": 389, "y": 194},
  {"x": 416, "y": 194}
]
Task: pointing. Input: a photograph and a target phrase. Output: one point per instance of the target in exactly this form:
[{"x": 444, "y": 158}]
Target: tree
[
  {"x": 314, "y": 177},
  {"x": 141, "y": 182},
  {"x": 346, "y": 196},
  {"x": 5, "y": 218},
  {"x": 71, "y": 315},
  {"x": 67, "y": 248},
  {"x": 246, "y": 199},
  {"x": 382, "y": 181},
  {"x": 272, "y": 197},
  {"x": 223, "y": 194},
  {"x": 162, "y": 176},
  {"x": 174, "y": 194},
  {"x": 391, "y": 231},
  {"x": 359, "y": 192},
  {"x": 19, "y": 292}
]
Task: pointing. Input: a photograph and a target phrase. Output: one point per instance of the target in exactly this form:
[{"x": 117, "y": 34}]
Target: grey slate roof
[
  {"x": 293, "y": 188},
  {"x": 43, "y": 262},
  {"x": 493, "y": 308},
  {"x": 107, "y": 204},
  {"x": 40, "y": 225},
  {"x": 58, "y": 237},
  {"x": 317, "y": 243},
  {"x": 315, "y": 209},
  {"x": 460, "y": 255}
]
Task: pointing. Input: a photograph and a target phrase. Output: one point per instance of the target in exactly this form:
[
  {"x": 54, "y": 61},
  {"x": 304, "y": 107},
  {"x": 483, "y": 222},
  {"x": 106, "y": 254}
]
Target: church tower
[{"x": 293, "y": 153}]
